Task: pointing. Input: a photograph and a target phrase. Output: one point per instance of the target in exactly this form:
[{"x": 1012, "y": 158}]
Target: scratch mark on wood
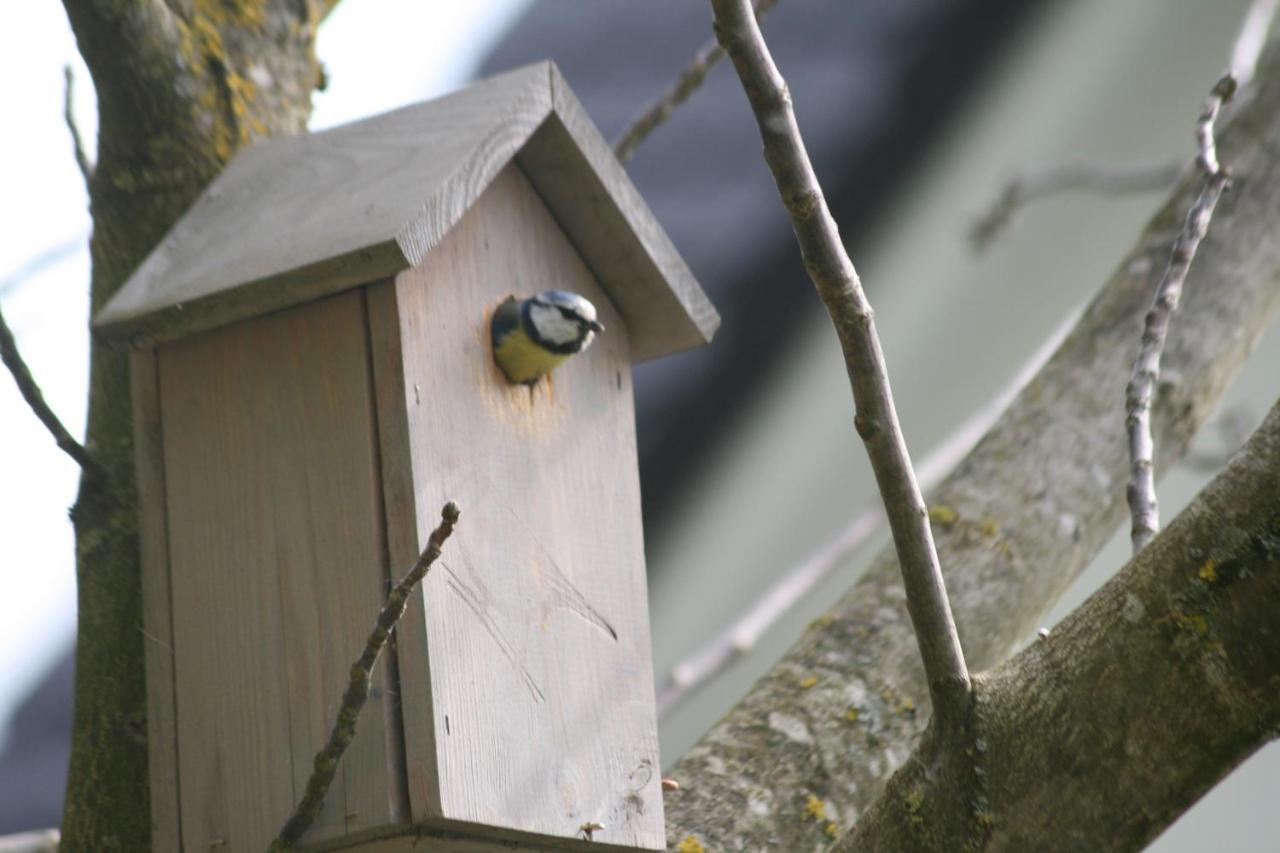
[
  {"x": 560, "y": 590},
  {"x": 479, "y": 600},
  {"x": 564, "y": 594}
]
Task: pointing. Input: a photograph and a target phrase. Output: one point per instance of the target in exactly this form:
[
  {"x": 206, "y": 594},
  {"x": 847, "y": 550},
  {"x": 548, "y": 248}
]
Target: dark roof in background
[
  {"x": 874, "y": 83},
  {"x": 33, "y": 765}
]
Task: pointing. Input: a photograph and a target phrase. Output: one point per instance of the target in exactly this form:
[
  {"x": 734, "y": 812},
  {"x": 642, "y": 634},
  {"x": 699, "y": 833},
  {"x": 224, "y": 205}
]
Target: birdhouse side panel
[
  {"x": 526, "y": 673},
  {"x": 277, "y": 569},
  {"x": 157, "y": 638}
]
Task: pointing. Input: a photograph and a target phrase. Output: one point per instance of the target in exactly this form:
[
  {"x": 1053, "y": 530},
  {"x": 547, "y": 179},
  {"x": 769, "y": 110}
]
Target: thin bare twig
[
  {"x": 1143, "y": 506},
  {"x": 707, "y": 57},
  {"x": 741, "y": 636},
  {"x": 40, "y": 263},
  {"x": 841, "y": 291},
  {"x": 705, "y": 663},
  {"x": 35, "y": 399},
  {"x": 344, "y": 727},
  {"x": 1117, "y": 179},
  {"x": 82, "y": 159},
  {"x": 1066, "y": 177},
  {"x": 36, "y": 841}
]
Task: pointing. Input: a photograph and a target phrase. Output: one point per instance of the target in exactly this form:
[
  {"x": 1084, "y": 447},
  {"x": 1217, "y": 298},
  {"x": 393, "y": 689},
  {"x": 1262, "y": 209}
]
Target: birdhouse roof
[{"x": 295, "y": 218}]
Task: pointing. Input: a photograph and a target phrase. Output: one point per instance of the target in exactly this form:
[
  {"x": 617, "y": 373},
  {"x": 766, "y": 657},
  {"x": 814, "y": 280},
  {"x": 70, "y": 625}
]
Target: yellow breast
[{"x": 522, "y": 360}]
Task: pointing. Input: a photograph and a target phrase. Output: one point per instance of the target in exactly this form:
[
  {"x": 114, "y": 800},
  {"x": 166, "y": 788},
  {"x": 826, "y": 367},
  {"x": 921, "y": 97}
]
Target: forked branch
[{"x": 1085, "y": 747}]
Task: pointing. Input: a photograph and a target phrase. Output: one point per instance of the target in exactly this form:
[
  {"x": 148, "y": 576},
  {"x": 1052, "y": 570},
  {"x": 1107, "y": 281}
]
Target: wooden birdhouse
[{"x": 312, "y": 380}]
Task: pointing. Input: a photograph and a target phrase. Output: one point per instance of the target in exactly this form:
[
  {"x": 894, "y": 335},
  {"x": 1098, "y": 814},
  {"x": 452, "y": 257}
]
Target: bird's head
[{"x": 562, "y": 322}]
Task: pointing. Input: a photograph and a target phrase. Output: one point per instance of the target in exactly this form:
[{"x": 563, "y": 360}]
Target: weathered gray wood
[
  {"x": 153, "y": 535},
  {"x": 401, "y": 519},
  {"x": 277, "y": 566},
  {"x": 296, "y": 218},
  {"x": 346, "y": 206},
  {"x": 526, "y": 677},
  {"x": 576, "y": 173}
]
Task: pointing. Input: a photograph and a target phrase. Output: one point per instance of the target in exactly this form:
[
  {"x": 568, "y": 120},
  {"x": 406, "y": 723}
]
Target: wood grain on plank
[
  {"x": 277, "y": 568},
  {"x": 535, "y": 711}
]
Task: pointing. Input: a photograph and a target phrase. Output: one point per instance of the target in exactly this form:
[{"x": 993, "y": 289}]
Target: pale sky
[{"x": 420, "y": 50}]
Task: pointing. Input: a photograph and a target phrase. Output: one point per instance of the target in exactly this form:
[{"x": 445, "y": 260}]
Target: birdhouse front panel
[
  {"x": 276, "y": 569},
  {"x": 525, "y": 674}
]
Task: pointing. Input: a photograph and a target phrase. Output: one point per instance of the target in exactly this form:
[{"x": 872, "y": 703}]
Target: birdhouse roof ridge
[{"x": 292, "y": 219}]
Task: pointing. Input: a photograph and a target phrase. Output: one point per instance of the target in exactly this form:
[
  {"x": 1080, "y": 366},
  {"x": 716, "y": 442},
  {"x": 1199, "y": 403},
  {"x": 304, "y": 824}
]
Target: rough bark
[
  {"x": 181, "y": 86},
  {"x": 1097, "y": 736},
  {"x": 790, "y": 766}
]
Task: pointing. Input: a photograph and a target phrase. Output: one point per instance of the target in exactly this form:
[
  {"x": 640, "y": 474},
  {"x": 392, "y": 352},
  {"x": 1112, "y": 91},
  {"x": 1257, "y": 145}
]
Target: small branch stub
[
  {"x": 68, "y": 116},
  {"x": 353, "y": 700}
]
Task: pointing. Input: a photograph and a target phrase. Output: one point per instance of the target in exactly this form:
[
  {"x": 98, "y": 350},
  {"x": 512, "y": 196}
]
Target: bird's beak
[{"x": 595, "y": 326}]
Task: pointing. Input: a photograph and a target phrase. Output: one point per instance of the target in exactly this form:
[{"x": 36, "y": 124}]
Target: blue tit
[{"x": 531, "y": 336}]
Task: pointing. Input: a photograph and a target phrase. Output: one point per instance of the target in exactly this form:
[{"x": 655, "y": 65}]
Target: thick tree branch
[
  {"x": 353, "y": 700},
  {"x": 35, "y": 399},
  {"x": 1100, "y": 735},
  {"x": 653, "y": 116},
  {"x": 1026, "y": 511},
  {"x": 841, "y": 291},
  {"x": 1141, "y": 491}
]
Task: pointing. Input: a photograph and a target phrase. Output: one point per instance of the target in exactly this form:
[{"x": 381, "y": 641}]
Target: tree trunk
[{"x": 181, "y": 87}]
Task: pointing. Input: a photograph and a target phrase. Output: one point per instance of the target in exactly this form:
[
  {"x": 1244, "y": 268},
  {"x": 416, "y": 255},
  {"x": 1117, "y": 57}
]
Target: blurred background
[{"x": 915, "y": 114}]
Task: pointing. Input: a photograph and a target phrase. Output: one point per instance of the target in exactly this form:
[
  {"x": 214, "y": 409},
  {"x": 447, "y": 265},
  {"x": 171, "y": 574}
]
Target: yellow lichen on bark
[
  {"x": 690, "y": 844},
  {"x": 815, "y": 808}
]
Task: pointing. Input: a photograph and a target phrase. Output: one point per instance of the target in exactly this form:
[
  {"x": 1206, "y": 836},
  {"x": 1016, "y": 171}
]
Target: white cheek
[{"x": 552, "y": 325}]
